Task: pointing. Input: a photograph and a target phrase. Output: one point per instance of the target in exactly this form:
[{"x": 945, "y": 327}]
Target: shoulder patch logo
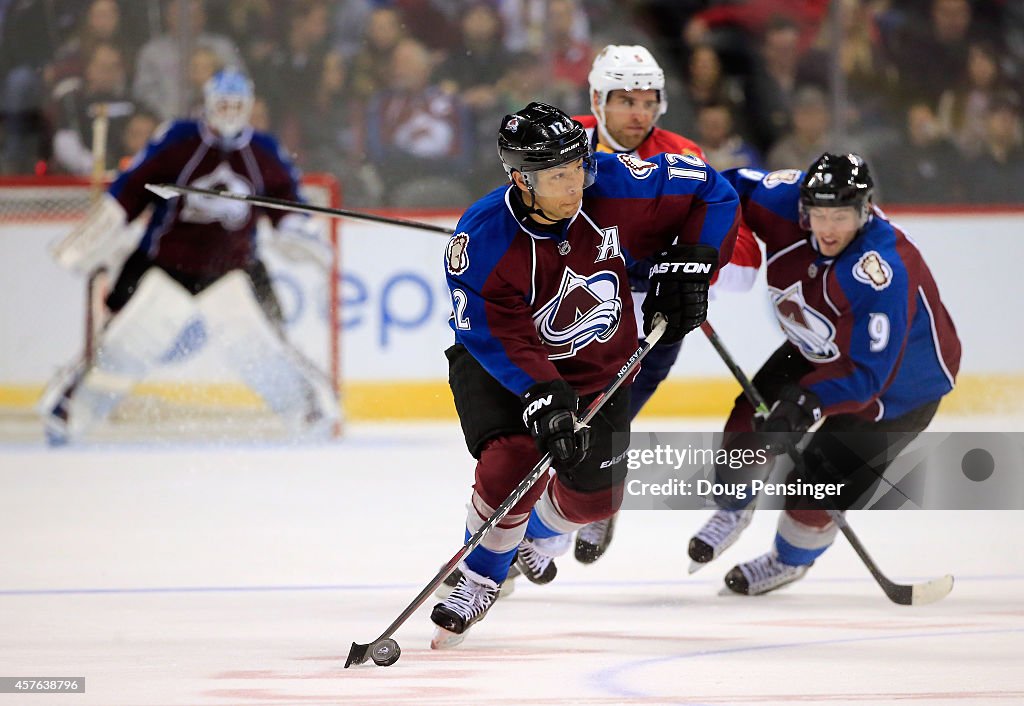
[
  {"x": 456, "y": 257},
  {"x": 639, "y": 168},
  {"x": 781, "y": 176},
  {"x": 871, "y": 269}
]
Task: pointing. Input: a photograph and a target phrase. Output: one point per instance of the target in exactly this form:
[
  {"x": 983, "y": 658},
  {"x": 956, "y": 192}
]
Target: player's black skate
[
  {"x": 763, "y": 574},
  {"x": 536, "y": 557},
  {"x": 592, "y": 540},
  {"x": 468, "y": 603},
  {"x": 508, "y": 586},
  {"x": 718, "y": 534}
]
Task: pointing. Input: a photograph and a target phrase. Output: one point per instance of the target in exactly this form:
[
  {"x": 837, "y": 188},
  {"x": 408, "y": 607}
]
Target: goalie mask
[
  {"x": 837, "y": 181},
  {"x": 623, "y": 67},
  {"x": 228, "y": 99},
  {"x": 540, "y": 138}
]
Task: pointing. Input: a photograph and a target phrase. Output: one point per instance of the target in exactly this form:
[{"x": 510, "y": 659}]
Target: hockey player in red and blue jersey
[
  {"x": 627, "y": 97},
  {"x": 196, "y": 269},
  {"x": 871, "y": 349},
  {"x": 543, "y": 320}
]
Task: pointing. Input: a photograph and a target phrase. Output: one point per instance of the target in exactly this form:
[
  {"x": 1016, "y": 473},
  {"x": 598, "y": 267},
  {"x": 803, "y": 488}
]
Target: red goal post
[{"x": 45, "y": 327}]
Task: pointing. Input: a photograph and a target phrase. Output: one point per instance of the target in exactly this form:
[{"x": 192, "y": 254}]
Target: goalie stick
[
  {"x": 902, "y": 594},
  {"x": 384, "y": 651},
  {"x": 98, "y": 281}
]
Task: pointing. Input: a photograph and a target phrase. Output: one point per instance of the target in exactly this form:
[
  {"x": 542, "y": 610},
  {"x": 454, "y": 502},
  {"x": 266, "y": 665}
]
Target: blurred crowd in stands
[{"x": 401, "y": 99}]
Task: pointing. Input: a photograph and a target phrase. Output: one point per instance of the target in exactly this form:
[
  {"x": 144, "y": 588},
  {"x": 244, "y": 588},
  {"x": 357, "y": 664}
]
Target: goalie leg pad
[
  {"x": 136, "y": 340},
  {"x": 302, "y": 396}
]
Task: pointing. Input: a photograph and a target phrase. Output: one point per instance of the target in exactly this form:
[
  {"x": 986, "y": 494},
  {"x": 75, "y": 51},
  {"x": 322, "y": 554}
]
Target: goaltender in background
[{"x": 667, "y": 455}]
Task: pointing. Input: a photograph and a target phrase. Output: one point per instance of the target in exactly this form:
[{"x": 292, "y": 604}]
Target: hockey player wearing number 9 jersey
[
  {"x": 543, "y": 321},
  {"x": 871, "y": 349}
]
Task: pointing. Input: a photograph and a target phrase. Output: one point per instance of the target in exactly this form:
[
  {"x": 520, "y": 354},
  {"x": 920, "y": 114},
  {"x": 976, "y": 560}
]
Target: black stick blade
[{"x": 356, "y": 655}]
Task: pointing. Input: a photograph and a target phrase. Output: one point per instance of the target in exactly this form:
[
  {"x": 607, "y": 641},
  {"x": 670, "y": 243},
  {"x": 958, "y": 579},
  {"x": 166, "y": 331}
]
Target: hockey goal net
[{"x": 48, "y": 316}]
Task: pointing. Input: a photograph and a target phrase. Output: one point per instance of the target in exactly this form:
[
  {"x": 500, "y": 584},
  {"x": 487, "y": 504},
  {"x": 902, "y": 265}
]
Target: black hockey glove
[
  {"x": 680, "y": 277},
  {"x": 549, "y": 412},
  {"x": 791, "y": 415}
]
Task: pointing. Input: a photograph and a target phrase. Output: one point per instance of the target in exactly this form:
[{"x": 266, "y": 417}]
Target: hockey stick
[
  {"x": 384, "y": 651},
  {"x": 903, "y": 594},
  {"x": 170, "y": 191},
  {"x": 98, "y": 280}
]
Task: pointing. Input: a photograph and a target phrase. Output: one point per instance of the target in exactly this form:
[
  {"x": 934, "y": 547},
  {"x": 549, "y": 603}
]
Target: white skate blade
[
  {"x": 445, "y": 639},
  {"x": 696, "y": 566}
]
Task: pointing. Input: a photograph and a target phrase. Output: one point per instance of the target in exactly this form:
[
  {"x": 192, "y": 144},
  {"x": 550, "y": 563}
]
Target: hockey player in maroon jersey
[
  {"x": 627, "y": 96},
  {"x": 543, "y": 320},
  {"x": 196, "y": 274},
  {"x": 871, "y": 349}
]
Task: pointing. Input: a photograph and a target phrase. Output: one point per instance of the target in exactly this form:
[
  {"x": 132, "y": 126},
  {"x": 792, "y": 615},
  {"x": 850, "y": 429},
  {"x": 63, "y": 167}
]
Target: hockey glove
[
  {"x": 680, "y": 277},
  {"x": 791, "y": 415},
  {"x": 302, "y": 239},
  {"x": 549, "y": 412}
]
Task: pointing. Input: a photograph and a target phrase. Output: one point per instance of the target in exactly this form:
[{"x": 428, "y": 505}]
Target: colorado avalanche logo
[
  {"x": 805, "y": 327},
  {"x": 636, "y": 166},
  {"x": 871, "y": 269},
  {"x": 584, "y": 310},
  {"x": 232, "y": 214},
  {"x": 456, "y": 259},
  {"x": 513, "y": 124}
]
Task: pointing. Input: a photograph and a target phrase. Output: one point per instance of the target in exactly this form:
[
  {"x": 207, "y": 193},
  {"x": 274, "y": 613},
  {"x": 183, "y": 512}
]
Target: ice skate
[
  {"x": 536, "y": 557},
  {"x": 763, "y": 574},
  {"x": 508, "y": 586},
  {"x": 468, "y": 603},
  {"x": 593, "y": 539},
  {"x": 718, "y": 534}
]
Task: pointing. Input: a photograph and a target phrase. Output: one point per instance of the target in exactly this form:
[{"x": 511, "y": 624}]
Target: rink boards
[{"x": 395, "y": 307}]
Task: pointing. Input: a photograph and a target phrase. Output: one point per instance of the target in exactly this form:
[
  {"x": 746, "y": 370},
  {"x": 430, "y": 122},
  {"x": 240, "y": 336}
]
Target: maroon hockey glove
[
  {"x": 791, "y": 415},
  {"x": 549, "y": 412},
  {"x": 680, "y": 277}
]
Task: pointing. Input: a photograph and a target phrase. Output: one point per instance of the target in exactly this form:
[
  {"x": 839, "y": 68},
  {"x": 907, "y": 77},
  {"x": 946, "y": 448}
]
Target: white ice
[{"x": 240, "y": 574}]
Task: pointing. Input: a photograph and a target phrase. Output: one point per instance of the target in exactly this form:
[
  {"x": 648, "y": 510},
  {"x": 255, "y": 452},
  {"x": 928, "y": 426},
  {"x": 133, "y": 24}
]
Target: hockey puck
[{"x": 385, "y": 652}]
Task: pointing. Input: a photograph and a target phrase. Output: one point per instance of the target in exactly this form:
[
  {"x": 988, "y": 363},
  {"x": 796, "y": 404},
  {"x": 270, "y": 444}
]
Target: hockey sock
[
  {"x": 536, "y": 529},
  {"x": 493, "y": 565},
  {"x": 799, "y": 544}
]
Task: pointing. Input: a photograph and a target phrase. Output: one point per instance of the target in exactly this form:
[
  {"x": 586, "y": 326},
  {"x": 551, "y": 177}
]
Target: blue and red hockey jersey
[
  {"x": 739, "y": 273},
  {"x": 202, "y": 235},
  {"x": 870, "y": 319},
  {"x": 533, "y": 306}
]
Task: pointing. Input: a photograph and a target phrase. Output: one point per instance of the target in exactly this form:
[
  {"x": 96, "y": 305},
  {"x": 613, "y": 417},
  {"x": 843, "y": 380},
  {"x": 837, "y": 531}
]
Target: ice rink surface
[{"x": 240, "y": 574}]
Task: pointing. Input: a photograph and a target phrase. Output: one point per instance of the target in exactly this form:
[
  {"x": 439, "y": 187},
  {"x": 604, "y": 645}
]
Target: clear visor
[
  {"x": 857, "y": 216},
  {"x": 229, "y": 115},
  {"x": 565, "y": 180}
]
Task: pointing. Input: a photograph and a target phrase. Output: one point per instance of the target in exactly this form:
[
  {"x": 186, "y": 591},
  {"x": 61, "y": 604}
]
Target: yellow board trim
[{"x": 677, "y": 397}]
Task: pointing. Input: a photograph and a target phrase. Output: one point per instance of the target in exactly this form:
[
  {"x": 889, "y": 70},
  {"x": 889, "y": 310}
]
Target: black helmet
[
  {"x": 836, "y": 180},
  {"x": 540, "y": 136}
]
